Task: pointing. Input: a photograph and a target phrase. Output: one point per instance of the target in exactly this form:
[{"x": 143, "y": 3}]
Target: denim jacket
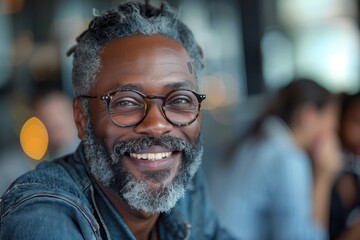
[{"x": 59, "y": 200}]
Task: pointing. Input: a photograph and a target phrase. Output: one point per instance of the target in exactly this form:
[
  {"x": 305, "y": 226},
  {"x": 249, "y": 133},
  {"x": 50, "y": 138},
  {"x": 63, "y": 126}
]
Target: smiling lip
[
  {"x": 151, "y": 156},
  {"x": 154, "y": 158}
]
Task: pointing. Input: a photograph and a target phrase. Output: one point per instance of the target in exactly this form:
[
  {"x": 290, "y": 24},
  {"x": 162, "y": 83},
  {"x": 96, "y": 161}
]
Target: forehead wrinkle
[
  {"x": 177, "y": 50},
  {"x": 142, "y": 61},
  {"x": 137, "y": 61},
  {"x": 126, "y": 86},
  {"x": 183, "y": 68},
  {"x": 180, "y": 84}
]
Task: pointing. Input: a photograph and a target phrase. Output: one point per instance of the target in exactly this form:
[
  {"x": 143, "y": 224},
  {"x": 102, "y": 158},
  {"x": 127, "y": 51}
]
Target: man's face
[
  {"x": 123, "y": 158},
  {"x": 350, "y": 128}
]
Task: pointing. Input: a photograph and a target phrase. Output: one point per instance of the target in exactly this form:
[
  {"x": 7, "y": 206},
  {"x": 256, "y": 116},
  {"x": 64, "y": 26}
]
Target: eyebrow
[
  {"x": 180, "y": 84},
  {"x": 126, "y": 86}
]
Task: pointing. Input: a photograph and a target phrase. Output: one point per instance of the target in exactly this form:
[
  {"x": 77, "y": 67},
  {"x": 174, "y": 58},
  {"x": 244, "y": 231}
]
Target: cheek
[
  {"x": 104, "y": 128},
  {"x": 333, "y": 124},
  {"x": 329, "y": 124},
  {"x": 352, "y": 133},
  {"x": 109, "y": 134}
]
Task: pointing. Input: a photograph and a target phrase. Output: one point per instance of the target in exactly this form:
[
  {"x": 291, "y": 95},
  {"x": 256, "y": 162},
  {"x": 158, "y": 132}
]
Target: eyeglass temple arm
[{"x": 100, "y": 97}]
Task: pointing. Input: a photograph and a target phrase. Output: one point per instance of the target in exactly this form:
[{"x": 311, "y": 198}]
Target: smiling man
[{"x": 137, "y": 105}]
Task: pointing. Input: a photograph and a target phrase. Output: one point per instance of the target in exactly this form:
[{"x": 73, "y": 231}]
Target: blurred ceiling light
[
  {"x": 11, "y": 6},
  {"x": 330, "y": 53},
  {"x": 22, "y": 48},
  {"x": 305, "y": 12},
  {"x": 214, "y": 88},
  {"x": 222, "y": 90}
]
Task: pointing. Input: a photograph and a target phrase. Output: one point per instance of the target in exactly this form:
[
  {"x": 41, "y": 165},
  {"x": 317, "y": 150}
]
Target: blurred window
[{"x": 322, "y": 43}]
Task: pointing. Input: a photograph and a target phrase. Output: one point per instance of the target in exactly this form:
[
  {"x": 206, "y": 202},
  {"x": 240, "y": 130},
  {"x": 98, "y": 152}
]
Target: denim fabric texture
[{"x": 59, "y": 200}]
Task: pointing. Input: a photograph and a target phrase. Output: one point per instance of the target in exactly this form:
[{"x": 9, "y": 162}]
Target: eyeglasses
[{"x": 128, "y": 108}]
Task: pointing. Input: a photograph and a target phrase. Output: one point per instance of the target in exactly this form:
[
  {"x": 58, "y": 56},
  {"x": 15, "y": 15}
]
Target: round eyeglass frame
[{"x": 107, "y": 98}]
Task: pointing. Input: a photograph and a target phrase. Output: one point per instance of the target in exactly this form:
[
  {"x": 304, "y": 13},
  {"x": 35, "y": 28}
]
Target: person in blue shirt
[
  {"x": 280, "y": 177},
  {"x": 136, "y": 107},
  {"x": 345, "y": 204}
]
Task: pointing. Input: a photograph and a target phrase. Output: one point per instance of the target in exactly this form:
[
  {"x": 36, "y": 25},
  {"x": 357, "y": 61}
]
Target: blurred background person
[
  {"x": 277, "y": 184},
  {"x": 345, "y": 204},
  {"x": 54, "y": 109}
]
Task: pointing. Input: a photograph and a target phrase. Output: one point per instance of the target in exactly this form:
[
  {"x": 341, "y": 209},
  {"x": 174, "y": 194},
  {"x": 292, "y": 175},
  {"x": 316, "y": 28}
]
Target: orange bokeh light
[{"x": 34, "y": 138}]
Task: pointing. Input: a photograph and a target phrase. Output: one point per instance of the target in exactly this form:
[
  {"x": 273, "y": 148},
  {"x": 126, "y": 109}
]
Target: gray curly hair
[{"x": 129, "y": 18}]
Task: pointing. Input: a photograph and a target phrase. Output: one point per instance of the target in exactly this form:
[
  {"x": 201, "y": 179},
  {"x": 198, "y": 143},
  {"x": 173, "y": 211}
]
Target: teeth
[{"x": 151, "y": 156}]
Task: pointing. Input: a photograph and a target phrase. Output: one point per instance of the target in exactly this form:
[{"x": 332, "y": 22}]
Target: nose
[{"x": 154, "y": 123}]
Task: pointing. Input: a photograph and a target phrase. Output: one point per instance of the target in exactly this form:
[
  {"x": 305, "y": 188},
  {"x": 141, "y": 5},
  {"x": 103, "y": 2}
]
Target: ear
[{"x": 79, "y": 117}]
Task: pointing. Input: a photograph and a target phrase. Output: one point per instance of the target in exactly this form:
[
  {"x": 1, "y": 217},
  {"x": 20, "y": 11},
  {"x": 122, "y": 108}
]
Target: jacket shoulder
[
  {"x": 49, "y": 178},
  {"x": 54, "y": 193}
]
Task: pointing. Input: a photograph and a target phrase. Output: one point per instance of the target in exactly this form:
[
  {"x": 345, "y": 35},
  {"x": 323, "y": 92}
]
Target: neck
[{"x": 140, "y": 223}]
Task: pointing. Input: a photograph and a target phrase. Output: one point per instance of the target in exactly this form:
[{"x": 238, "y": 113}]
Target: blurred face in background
[
  {"x": 55, "y": 110},
  {"x": 318, "y": 123},
  {"x": 328, "y": 119},
  {"x": 350, "y": 128}
]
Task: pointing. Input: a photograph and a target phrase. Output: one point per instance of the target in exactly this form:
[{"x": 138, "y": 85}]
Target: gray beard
[{"x": 111, "y": 172}]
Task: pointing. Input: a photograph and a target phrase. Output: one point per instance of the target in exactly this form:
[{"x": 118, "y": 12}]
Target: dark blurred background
[{"x": 252, "y": 47}]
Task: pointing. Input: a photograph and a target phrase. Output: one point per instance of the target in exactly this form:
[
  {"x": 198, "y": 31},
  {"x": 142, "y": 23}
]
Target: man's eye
[
  {"x": 180, "y": 100},
  {"x": 123, "y": 103}
]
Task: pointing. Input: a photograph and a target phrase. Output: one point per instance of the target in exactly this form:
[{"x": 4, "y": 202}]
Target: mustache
[{"x": 133, "y": 145}]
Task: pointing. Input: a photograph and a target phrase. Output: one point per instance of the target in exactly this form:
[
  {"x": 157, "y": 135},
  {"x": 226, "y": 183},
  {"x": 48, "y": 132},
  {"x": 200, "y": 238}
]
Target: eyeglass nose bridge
[
  {"x": 151, "y": 97},
  {"x": 163, "y": 98}
]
